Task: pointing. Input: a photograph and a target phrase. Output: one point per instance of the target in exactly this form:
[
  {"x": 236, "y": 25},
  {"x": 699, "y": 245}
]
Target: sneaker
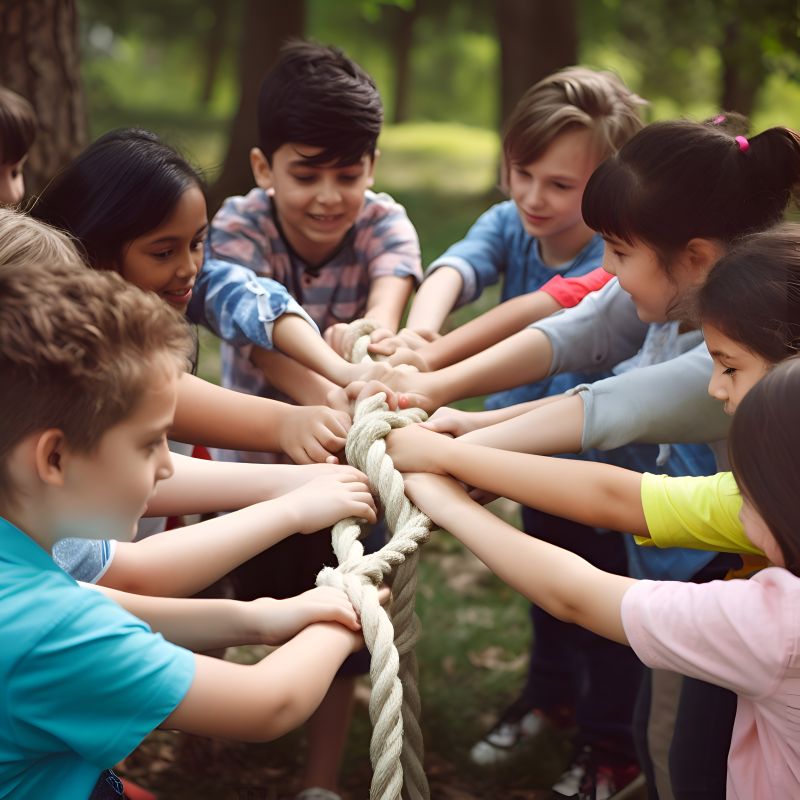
[
  {"x": 589, "y": 778},
  {"x": 518, "y": 723},
  {"x": 317, "y": 793}
]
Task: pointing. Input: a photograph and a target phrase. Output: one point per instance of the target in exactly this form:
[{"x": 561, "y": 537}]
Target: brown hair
[
  {"x": 764, "y": 445},
  {"x": 77, "y": 349},
  {"x": 17, "y": 126},
  {"x": 23, "y": 238},
  {"x": 572, "y": 98},
  {"x": 680, "y": 180},
  {"x": 753, "y": 293}
]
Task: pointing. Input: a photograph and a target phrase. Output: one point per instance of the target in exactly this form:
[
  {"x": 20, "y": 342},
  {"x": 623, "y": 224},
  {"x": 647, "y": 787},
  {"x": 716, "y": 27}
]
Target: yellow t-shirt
[{"x": 700, "y": 513}]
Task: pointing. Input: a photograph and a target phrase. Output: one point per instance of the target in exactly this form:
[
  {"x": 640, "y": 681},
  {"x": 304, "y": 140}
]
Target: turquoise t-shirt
[{"x": 82, "y": 680}]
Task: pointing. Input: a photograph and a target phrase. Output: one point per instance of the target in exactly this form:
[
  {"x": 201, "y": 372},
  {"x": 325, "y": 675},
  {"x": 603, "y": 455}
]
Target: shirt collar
[{"x": 16, "y": 547}]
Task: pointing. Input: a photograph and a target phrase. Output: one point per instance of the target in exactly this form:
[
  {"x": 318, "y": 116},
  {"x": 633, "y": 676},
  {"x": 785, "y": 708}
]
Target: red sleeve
[{"x": 569, "y": 292}]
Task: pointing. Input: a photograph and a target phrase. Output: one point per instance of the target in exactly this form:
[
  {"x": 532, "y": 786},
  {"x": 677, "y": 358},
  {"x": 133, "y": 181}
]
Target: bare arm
[
  {"x": 387, "y": 299},
  {"x": 183, "y": 561},
  {"x": 216, "y": 417},
  {"x": 263, "y": 701},
  {"x": 560, "y": 582},
  {"x": 435, "y": 299},
  {"x": 598, "y": 495}
]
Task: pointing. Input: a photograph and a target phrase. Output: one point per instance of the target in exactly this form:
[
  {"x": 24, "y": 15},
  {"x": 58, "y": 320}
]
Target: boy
[
  {"x": 89, "y": 392},
  {"x": 17, "y": 132},
  {"x": 313, "y": 225}
]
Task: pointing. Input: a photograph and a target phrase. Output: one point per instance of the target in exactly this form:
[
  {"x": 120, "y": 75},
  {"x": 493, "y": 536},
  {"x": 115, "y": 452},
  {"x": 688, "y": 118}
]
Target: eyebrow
[
  {"x": 168, "y": 239},
  {"x": 722, "y": 355},
  {"x": 301, "y": 162}
]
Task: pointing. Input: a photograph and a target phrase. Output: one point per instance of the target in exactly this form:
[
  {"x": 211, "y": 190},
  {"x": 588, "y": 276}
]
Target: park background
[{"x": 449, "y": 71}]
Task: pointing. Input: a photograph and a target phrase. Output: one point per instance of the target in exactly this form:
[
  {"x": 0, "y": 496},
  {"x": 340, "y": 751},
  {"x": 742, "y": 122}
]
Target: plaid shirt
[{"x": 382, "y": 243}]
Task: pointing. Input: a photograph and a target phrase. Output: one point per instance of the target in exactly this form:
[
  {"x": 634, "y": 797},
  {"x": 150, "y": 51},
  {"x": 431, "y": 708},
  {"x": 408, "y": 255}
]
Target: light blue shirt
[{"x": 83, "y": 681}]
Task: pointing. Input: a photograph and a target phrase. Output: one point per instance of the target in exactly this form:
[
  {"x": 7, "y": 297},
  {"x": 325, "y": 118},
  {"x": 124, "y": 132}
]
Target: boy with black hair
[
  {"x": 343, "y": 252},
  {"x": 89, "y": 393}
]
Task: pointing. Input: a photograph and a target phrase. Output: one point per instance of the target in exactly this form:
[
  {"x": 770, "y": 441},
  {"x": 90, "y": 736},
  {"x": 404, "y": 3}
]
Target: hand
[
  {"x": 419, "y": 387},
  {"x": 386, "y": 344},
  {"x": 414, "y": 358},
  {"x": 281, "y": 479},
  {"x": 325, "y": 500},
  {"x": 431, "y": 494},
  {"x": 338, "y": 339},
  {"x": 413, "y": 449},
  {"x": 312, "y": 434},
  {"x": 453, "y": 421},
  {"x": 277, "y": 621}
]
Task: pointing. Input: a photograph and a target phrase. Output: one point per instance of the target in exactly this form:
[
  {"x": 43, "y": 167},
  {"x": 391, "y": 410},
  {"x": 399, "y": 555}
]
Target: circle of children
[{"x": 671, "y": 650}]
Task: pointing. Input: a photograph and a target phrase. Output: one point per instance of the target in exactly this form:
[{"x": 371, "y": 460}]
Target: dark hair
[
  {"x": 317, "y": 96},
  {"x": 17, "y": 126},
  {"x": 675, "y": 181},
  {"x": 120, "y": 187},
  {"x": 764, "y": 445},
  {"x": 753, "y": 293}
]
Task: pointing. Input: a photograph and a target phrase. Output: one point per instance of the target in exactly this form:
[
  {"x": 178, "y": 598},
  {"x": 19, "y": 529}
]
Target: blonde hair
[
  {"x": 571, "y": 99},
  {"x": 78, "y": 349},
  {"x": 23, "y": 238}
]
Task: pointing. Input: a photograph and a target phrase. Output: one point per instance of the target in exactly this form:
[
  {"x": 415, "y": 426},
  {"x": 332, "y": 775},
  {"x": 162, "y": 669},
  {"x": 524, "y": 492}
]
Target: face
[
  {"x": 107, "y": 491},
  {"x": 736, "y": 369},
  {"x": 548, "y": 191},
  {"x": 12, "y": 185},
  {"x": 759, "y": 534},
  {"x": 167, "y": 259},
  {"x": 316, "y": 206}
]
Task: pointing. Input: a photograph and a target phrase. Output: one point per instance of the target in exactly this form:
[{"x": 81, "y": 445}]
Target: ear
[
  {"x": 699, "y": 256},
  {"x": 371, "y": 168},
  {"x": 49, "y": 455},
  {"x": 262, "y": 172}
]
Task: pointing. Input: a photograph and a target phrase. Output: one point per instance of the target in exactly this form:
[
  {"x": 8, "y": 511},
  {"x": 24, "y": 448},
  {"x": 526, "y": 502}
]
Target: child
[
  {"x": 341, "y": 251},
  {"x": 90, "y": 388},
  {"x": 739, "y": 634},
  {"x": 17, "y": 132}
]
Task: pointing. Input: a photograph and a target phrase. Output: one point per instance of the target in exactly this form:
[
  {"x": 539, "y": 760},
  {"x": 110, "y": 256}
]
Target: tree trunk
[
  {"x": 537, "y": 37},
  {"x": 403, "y": 21},
  {"x": 39, "y": 59},
  {"x": 267, "y": 25},
  {"x": 213, "y": 49},
  {"x": 743, "y": 69}
]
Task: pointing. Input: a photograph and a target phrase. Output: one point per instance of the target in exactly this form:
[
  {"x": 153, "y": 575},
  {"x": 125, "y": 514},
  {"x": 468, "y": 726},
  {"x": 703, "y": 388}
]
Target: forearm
[
  {"x": 548, "y": 426},
  {"x": 303, "y": 385},
  {"x": 196, "y": 624},
  {"x": 296, "y": 339},
  {"x": 435, "y": 299},
  {"x": 558, "y": 581},
  {"x": 488, "y": 329},
  {"x": 387, "y": 299},
  {"x": 210, "y": 415},
  {"x": 523, "y": 358},
  {"x": 597, "y": 495},
  {"x": 181, "y": 562}
]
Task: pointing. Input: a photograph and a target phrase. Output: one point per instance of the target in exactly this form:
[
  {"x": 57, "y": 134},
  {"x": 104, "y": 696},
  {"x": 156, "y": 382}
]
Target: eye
[
  {"x": 618, "y": 254},
  {"x": 305, "y": 178},
  {"x": 729, "y": 371},
  {"x": 562, "y": 186},
  {"x": 163, "y": 255},
  {"x": 349, "y": 178},
  {"x": 197, "y": 244}
]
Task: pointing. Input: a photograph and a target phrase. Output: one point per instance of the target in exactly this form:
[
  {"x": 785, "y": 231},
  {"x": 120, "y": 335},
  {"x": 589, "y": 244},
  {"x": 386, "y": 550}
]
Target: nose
[
  {"x": 716, "y": 387},
  {"x": 164, "y": 467},
  {"x": 189, "y": 266},
  {"x": 534, "y": 195},
  {"x": 328, "y": 192}
]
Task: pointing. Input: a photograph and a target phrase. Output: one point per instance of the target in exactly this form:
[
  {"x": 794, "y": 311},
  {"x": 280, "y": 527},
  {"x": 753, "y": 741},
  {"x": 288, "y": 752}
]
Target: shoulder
[
  {"x": 380, "y": 206},
  {"x": 254, "y": 205}
]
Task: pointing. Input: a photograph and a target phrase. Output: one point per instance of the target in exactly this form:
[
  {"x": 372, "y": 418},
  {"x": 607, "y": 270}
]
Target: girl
[{"x": 739, "y": 634}]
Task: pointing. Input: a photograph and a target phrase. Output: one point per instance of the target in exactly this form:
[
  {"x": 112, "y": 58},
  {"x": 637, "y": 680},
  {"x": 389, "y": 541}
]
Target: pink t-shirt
[{"x": 743, "y": 635}]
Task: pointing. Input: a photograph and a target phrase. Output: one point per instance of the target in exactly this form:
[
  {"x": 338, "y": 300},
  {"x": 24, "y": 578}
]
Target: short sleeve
[
  {"x": 388, "y": 240},
  {"x": 568, "y": 292},
  {"x": 739, "y": 634},
  {"x": 84, "y": 559},
  {"x": 241, "y": 231},
  {"x": 97, "y": 683},
  {"x": 696, "y": 512}
]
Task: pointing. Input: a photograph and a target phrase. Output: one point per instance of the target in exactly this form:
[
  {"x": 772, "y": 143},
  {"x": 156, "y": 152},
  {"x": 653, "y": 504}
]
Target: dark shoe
[{"x": 590, "y": 776}]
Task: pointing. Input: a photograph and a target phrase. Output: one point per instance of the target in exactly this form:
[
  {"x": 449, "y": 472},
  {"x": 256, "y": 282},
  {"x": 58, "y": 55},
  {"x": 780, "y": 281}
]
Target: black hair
[
  {"x": 17, "y": 126},
  {"x": 121, "y": 186},
  {"x": 674, "y": 181},
  {"x": 764, "y": 444},
  {"x": 753, "y": 293},
  {"x": 317, "y": 96}
]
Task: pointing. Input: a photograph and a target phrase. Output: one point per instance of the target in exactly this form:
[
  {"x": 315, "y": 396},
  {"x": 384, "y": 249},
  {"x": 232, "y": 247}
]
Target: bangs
[
  {"x": 612, "y": 202},
  {"x": 17, "y": 132}
]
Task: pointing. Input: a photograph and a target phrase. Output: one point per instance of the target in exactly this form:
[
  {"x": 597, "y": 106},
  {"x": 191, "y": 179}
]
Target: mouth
[
  {"x": 178, "y": 297},
  {"x": 535, "y": 219},
  {"x": 327, "y": 219}
]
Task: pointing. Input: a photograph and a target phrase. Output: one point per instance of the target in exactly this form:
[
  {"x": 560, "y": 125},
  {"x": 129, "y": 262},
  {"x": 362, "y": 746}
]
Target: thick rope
[{"x": 397, "y": 748}]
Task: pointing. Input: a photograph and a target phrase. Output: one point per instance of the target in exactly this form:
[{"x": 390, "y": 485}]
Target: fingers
[
  {"x": 445, "y": 424},
  {"x": 385, "y": 346}
]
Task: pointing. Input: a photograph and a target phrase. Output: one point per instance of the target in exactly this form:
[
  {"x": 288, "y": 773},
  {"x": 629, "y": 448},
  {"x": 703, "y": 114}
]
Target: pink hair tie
[
  {"x": 744, "y": 145},
  {"x": 719, "y": 119}
]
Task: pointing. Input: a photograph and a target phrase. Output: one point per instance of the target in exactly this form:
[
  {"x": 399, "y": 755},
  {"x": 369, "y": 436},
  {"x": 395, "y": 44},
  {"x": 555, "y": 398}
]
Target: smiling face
[
  {"x": 12, "y": 185},
  {"x": 736, "y": 369},
  {"x": 316, "y": 205},
  {"x": 548, "y": 193},
  {"x": 106, "y": 491},
  {"x": 167, "y": 259}
]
